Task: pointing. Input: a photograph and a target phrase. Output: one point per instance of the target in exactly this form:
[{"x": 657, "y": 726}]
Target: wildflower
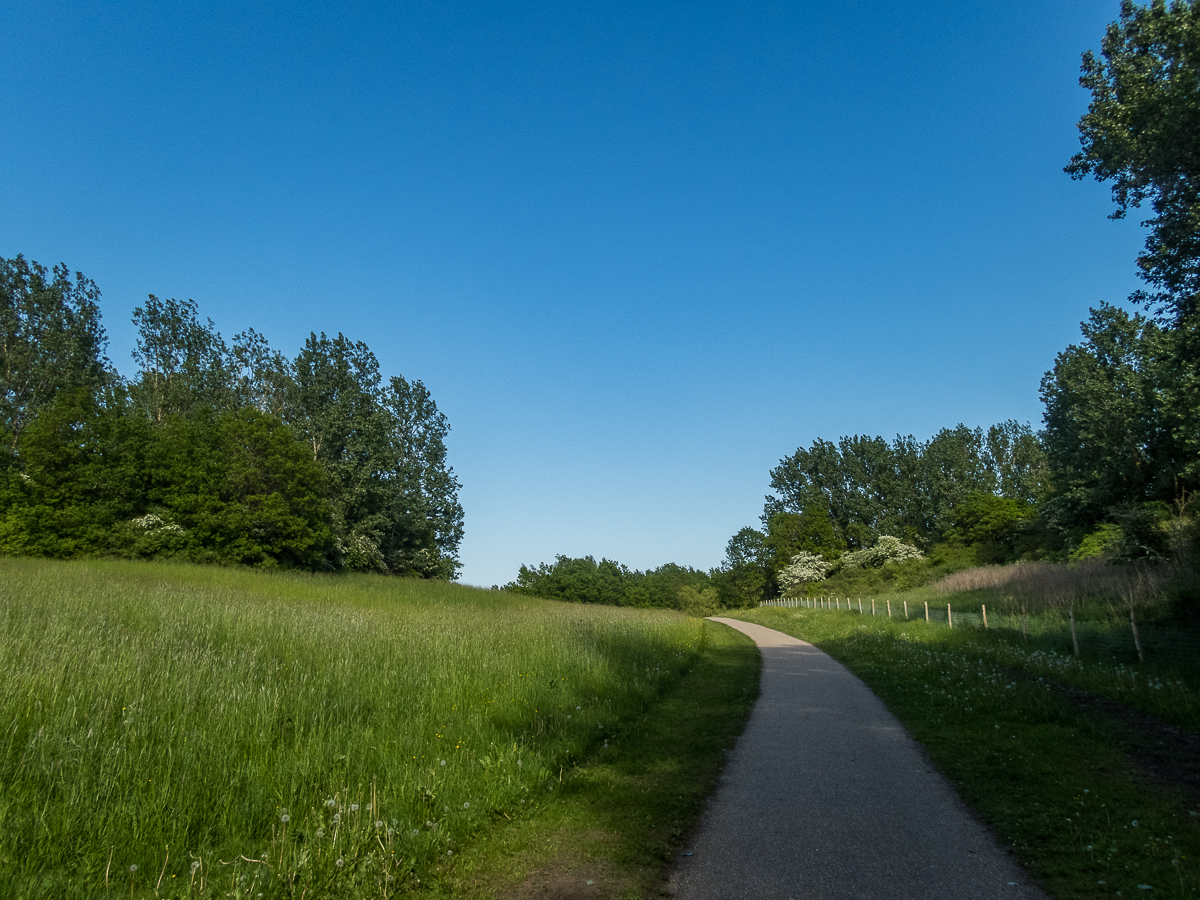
[
  {"x": 331, "y": 803},
  {"x": 337, "y": 817},
  {"x": 195, "y": 865},
  {"x": 285, "y": 818},
  {"x": 443, "y": 762},
  {"x": 466, "y": 806},
  {"x": 378, "y": 824},
  {"x": 353, "y": 807},
  {"x": 320, "y": 832},
  {"x": 133, "y": 868},
  {"x": 339, "y": 863}
]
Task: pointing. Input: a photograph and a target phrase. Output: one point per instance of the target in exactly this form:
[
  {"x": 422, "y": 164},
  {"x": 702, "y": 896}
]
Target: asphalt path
[{"x": 827, "y": 796}]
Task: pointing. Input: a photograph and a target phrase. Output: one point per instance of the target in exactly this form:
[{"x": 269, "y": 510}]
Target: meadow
[
  {"x": 1086, "y": 766},
  {"x": 172, "y": 730}
]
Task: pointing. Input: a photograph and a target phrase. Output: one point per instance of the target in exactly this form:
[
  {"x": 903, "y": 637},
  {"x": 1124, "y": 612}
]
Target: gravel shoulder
[{"x": 827, "y": 796}]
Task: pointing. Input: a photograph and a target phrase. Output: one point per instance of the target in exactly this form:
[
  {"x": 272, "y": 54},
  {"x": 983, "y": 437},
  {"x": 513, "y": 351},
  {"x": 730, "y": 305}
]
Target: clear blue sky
[{"x": 639, "y": 252}]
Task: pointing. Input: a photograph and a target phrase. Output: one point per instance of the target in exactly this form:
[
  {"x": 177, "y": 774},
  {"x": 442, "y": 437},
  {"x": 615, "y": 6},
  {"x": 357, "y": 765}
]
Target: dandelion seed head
[
  {"x": 339, "y": 863},
  {"x": 466, "y": 806},
  {"x": 285, "y": 818},
  {"x": 133, "y": 868},
  {"x": 379, "y": 824},
  {"x": 353, "y": 807}
]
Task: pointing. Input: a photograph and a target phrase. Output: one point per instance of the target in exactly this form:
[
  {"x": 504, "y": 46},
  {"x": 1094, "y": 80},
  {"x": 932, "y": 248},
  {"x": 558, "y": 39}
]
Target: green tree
[
  {"x": 989, "y": 523},
  {"x": 1142, "y": 133},
  {"x": 51, "y": 340},
  {"x": 1017, "y": 458},
  {"x": 183, "y": 363},
  {"x": 233, "y": 487},
  {"x": 336, "y": 412},
  {"x": 426, "y": 489},
  {"x": 82, "y": 475},
  {"x": 1106, "y": 438},
  {"x": 742, "y": 579},
  {"x": 580, "y": 580}
]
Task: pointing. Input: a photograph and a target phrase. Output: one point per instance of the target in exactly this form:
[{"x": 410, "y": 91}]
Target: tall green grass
[{"x": 184, "y": 731}]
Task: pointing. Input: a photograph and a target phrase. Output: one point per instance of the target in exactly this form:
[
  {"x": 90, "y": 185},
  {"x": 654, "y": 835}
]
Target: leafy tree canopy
[{"x": 1142, "y": 133}]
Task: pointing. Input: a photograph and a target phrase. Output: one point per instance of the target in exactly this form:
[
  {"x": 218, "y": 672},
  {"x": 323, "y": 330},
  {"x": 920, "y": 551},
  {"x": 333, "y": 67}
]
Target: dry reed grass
[{"x": 1045, "y": 586}]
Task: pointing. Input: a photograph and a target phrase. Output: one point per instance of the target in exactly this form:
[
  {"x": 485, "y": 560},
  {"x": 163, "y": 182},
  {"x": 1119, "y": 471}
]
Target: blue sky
[{"x": 639, "y": 252}]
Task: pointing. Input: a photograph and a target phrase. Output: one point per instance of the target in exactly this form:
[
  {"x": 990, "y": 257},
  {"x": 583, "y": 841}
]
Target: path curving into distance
[{"x": 826, "y": 796}]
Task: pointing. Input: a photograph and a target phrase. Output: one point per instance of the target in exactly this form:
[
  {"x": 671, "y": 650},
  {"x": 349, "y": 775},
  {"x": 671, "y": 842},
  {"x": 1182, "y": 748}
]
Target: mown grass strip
[{"x": 1060, "y": 781}]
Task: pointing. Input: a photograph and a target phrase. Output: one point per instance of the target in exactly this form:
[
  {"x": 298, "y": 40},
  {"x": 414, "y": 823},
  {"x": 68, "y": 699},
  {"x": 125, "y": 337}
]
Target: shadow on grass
[{"x": 610, "y": 827}]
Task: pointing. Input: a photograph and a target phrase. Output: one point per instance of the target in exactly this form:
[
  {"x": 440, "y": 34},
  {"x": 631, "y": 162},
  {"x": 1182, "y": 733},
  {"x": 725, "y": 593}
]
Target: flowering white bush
[
  {"x": 151, "y": 522},
  {"x": 887, "y": 549},
  {"x": 803, "y": 568}
]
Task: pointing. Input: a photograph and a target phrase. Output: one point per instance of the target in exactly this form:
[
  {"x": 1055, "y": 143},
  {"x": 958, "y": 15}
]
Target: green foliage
[
  {"x": 864, "y": 487},
  {"x": 1120, "y": 427},
  {"x": 993, "y": 525},
  {"x": 428, "y": 488},
  {"x": 1142, "y": 133},
  {"x": 743, "y": 577},
  {"x": 584, "y": 580},
  {"x": 697, "y": 602},
  {"x": 51, "y": 340},
  {"x": 211, "y": 452},
  {"x": 906, "y": 575},
  {"x": 1104, "y": 542},
  {"x": 239, "y": 488},
  {"x": 184, "y": 363},
  {"x": 77, "y": 479}
]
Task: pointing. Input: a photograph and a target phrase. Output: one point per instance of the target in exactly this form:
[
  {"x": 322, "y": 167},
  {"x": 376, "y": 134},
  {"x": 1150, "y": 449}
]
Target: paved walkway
[{"x": 827, "y": 796}]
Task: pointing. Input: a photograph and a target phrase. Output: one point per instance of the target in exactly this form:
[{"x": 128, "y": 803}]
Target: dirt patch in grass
[{"x": 571, "y": 879}]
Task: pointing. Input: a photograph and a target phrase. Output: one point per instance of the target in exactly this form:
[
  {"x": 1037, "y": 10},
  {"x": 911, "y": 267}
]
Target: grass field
[
  {"x": 1089, "y": 768},
  {"x": 189, "y": 731}
]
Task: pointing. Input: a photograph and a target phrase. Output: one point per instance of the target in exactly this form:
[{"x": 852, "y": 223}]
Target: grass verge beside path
[
  {"x": 1094, "y": 798},
  {"x": 617, "y": 820},
  {"x": 176, "y": 731}
]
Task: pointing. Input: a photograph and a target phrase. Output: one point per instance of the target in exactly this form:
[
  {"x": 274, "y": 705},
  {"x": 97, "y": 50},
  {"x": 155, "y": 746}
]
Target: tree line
[
  {"x": 1115, "y": 468},
  {"x": 211, "y": 451}
]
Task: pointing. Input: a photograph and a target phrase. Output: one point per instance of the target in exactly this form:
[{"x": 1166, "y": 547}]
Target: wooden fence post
[
  {"x": 985, "y": 624},
  {"x": 889, "y": 603},
  {"x": 1137, "y": 639},
  {"x": 1074, "y": 636},
  {"x": 926, "y": 610},
  {"x": 872, "y": 606},
  {"x": 860, "y": 606},
  {"x": 948, "y": 617},
  {"x": 906, "y": 610}
]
